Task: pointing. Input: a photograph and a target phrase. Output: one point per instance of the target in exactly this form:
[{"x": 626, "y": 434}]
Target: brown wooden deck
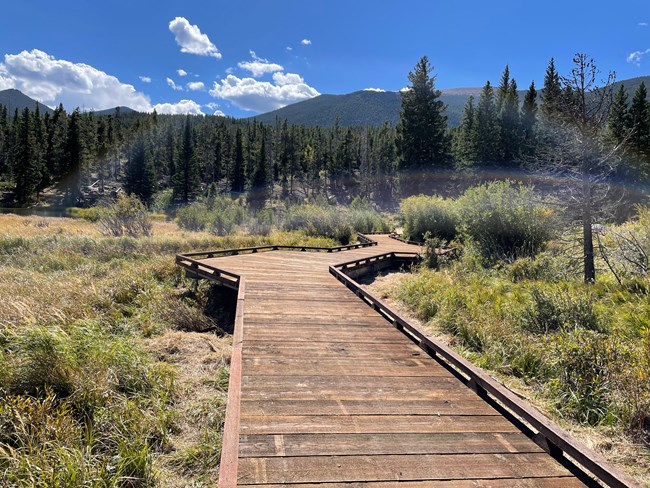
[{"x": 325, "y": 391}]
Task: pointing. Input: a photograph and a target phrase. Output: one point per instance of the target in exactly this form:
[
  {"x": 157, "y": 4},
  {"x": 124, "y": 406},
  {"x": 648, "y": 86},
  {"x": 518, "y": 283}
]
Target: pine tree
[
  {"x": 503, "y": 89},
  {"x": 26, "y": 164},
  {"x": 140, "y": 176},
  {"x": 510, "y": 125},
  {"x": 4, "y": 142},
  {"x": 186, "y": 181},
  {"x": 259, "y": 184},
  {"x": 465, "y": 136},
  {"x": 618, "y": 120},
  {"x": 73, "y": 160},
  {"x": 423, "y": 143},
  {"x": 529, "y": 118},
  {"x": 238, "y": 179},
  {"x": 552, "y": 92},
  {"x": 486, "y": 132},
  {"x": 639, "y": 130}
]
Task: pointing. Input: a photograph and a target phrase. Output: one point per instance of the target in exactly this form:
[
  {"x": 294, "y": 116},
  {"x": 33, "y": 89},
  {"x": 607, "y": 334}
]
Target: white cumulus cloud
[
  {"x": 173, "y": 85},
  {"x": 191, "y": 40},
  {"x": 259, "y": 66},
  {"x": 262, "y": 96},
  {"x": 378, "y": 90},
  {"x": 181, "y": 72},
  {"x": 145, "y": 79},
  {"x": 182, "y": 107},
  {"x": 637, "y": 56},
  {"x": 53, "y": 81},
  {"x": 305, "y": 42},
  {"x": 195, "y": 85}
]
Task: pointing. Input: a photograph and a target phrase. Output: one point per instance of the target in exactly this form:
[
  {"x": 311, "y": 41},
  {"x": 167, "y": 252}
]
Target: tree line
[{"x": 189, "y": 156}]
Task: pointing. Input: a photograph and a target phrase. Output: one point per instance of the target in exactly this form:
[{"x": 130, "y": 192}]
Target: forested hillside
[{"x": 179, "y": 158}]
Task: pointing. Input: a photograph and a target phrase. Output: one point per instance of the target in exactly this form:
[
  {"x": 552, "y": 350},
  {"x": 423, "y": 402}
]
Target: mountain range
[{"x": 366, "y": 107}]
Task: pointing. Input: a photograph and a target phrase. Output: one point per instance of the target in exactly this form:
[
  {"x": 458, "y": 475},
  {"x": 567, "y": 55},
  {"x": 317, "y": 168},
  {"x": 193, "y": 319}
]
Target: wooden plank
[
  {"x": 375, "y": 444},
  {"x": 318, "y": 406},
  {"x": 397, "y": 468},
  {"x": 342, "y": 366},
  {"x": 229, "y": 453},
  {"x": 475, "y": 483},
  {"x": 319, "y": 335},
  {"x": 368, "y": 424},
  {"x": 331, "y": 349},
  {"x": 344, "y": 392},
  {"x": 350, "y": 381}
]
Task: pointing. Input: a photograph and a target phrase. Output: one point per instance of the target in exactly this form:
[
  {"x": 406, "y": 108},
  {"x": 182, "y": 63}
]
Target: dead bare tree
[{"x": 572, "y": 146}]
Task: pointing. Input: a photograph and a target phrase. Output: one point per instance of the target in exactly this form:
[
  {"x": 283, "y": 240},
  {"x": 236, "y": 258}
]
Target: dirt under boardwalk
[{"x": 332, "y": 393}]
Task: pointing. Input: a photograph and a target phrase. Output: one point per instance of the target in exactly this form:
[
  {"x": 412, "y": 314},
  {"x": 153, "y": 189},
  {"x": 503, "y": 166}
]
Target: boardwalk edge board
[{"x": 549, "y": 436}]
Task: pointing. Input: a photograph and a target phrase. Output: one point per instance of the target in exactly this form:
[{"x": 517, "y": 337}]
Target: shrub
[
  {"x": 320, "y": 221},
  {"x": 504, "y": 221},
  {"x": 424, "y": 214},
  {"x": 195, "y": 217},
  {"x": 126, "y": 217}
]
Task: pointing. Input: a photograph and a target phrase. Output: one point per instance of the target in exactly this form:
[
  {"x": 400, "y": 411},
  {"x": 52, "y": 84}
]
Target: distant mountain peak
[{"x": 16, "y": 100}]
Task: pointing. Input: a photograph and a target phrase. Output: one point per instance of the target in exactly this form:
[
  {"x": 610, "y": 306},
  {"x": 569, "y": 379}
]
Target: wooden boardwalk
[{"x": 324, "y": 390}]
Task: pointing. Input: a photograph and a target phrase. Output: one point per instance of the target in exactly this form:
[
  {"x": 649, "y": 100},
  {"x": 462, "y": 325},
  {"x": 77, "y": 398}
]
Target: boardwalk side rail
[{"x": 548, "y": 435}]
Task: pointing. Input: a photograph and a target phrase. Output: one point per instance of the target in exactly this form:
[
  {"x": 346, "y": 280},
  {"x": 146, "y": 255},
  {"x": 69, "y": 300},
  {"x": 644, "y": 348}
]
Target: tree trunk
[{"x": 587, "y": 233}]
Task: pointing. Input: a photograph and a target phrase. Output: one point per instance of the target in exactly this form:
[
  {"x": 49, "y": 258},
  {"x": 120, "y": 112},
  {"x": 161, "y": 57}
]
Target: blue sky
[{"x": 245, "y": 57}]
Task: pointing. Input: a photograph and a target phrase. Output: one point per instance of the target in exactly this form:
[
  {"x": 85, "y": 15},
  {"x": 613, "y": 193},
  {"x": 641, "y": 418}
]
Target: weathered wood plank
[
  {"x": 368, "y": 424},
  {"x": 397, "y": 468},
  {"x": 475, "y": 483},
  {"x": 318, "y": 406},
  {"x": 374, "y": 444}
]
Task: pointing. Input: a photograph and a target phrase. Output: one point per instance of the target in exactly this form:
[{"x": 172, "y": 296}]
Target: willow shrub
[
  {"x": 504, "y": 220},
  {"x": 435, "y": 215}
]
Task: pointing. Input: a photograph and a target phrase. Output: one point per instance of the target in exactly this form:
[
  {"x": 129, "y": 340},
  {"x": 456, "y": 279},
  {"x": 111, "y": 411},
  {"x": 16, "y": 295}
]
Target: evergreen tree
[
  {"x": 529, "y": 117},
  {"x": 26, "y": 164},
  {"x": 510, "y": 125},
  {"x": 423, "y": 143},
  {"x": 4, "y": 142},
  {"x": 486, "y": 132},
  {"x": 639, "y": 130},
  {"x": 465, "y": 137},
  {"x": 186, "y": 181},
  {"x": 74, "y": 159},
  {"x": 140, "y": 176},
  {"x": 259, "y": 184},
  {"x": 618, "y": 120},
  {"x": 238, "y": 179},
  {"x": 552, "y": 92},
  {"x": 503, "y": 89}
]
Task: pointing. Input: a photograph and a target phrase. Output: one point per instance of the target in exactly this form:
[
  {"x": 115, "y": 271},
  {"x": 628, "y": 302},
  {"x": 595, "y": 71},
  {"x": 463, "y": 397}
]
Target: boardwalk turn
[{"x": 330, "y": 393}]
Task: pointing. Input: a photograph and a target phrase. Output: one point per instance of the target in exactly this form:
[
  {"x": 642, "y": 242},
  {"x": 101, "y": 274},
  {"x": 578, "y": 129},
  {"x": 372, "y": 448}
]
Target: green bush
[
  {"x": 423, "y": 214},
  {"x": 319, "y": 221},
  {"x": 195, "y": 217},
  {"x": 126, "y": 217},
  {"x": 504, "y": 220}
]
